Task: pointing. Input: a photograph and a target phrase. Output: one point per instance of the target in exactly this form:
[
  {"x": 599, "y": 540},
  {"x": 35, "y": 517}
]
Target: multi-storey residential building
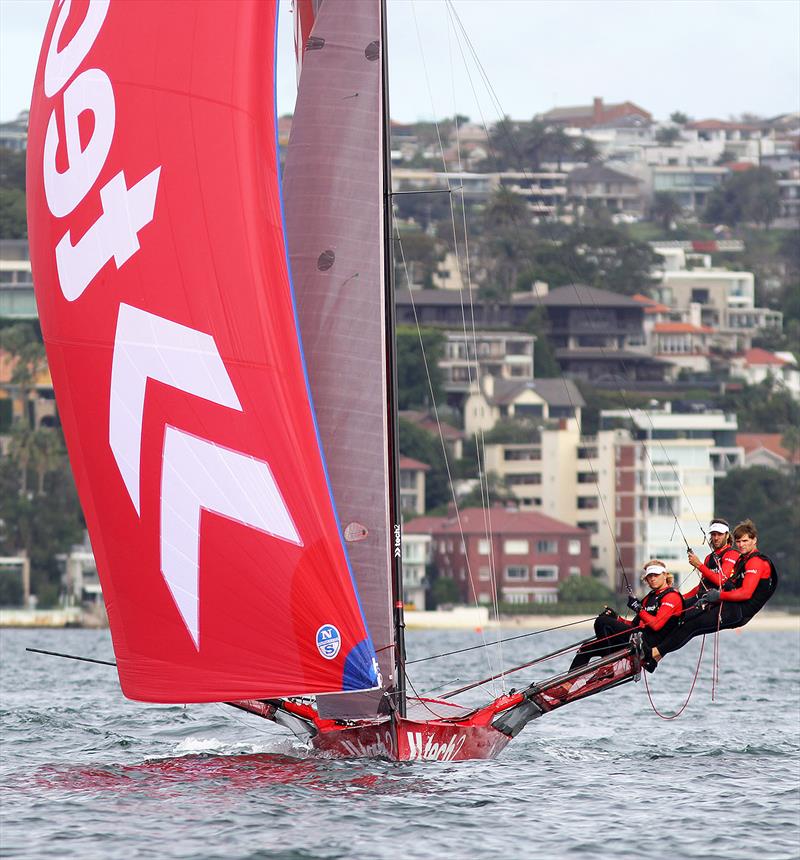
[
  {"x": 664, "y": 481},
  {"x": 683, "y": 345},
  {"x": 545, "y": 192},
  {"x": 598, "y": 184},
  {"x": 453, "y": 437},
  {"x": 517, "y": 556},
  {"x": 567, "y": 476},
  {"x": 412, "y": 485},
  {"x": 502, "y": 355},
  {"x": 597, "y": 334},
  {"x": 416, "y": 553},
  {"x": 16, "y": 283},
  {"x": 720, "y": 299},
  {"x": 689, "y": 184}
]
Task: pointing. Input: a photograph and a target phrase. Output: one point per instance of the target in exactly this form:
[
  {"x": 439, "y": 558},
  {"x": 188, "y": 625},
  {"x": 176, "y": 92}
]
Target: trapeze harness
[
  {"x": 716, "y": 569},
  {"x": 613, "y": 632},
  {"x": 732, "y": 611}
]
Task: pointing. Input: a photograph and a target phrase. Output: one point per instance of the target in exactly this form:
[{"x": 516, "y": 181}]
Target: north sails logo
[
  {"x": 329, "y": 641},
  {"x": 429, "y": 750}
]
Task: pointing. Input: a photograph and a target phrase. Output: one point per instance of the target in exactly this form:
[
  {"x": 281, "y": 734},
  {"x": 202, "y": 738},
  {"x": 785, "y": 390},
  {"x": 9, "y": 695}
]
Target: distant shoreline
[{"x": 771, "y": 621}]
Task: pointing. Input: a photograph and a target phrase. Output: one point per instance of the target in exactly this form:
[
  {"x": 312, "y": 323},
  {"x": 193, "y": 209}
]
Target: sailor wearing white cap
[{"x": 719, "y": 563}]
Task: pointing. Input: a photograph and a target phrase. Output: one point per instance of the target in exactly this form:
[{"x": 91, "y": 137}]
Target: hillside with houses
[{"x": 609, "y": 306}]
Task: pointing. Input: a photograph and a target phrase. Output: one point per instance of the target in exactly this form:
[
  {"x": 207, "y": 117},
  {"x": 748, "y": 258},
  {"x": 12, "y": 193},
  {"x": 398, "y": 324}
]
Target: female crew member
[
  {"x": 657, "y": 615},
  {"x": 718, "y": 565},
  {"x": 739, "y": 597}
]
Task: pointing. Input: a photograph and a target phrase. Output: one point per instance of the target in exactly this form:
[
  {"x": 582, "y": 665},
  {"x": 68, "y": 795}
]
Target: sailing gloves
[
  {"x": 711, "y": 596},
  {"x": 634, "y": 604}
]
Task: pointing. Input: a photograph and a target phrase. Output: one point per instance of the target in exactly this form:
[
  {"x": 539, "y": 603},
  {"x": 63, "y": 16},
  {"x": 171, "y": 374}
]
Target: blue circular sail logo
[{"x": 328, "y": 641}]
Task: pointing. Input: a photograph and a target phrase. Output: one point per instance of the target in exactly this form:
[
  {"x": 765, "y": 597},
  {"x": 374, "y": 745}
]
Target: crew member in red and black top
[
  {"x": 750, "y": 586},
  {"x": 657, "y": 615},
  {"x": 719, "y": 563}
]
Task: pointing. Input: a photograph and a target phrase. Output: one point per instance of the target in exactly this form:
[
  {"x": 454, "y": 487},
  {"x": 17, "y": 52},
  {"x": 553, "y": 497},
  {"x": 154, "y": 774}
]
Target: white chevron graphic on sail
[
  {"x": 198, "y": 475},
  {"x": 147, "y": 346}
]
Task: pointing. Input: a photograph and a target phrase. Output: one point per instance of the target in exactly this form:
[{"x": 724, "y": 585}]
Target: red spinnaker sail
[{"x": 159, "y": 260}]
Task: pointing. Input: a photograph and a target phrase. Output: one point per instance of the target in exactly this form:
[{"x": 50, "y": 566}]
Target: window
[
  {"x": 516, "y": 598},
  {"x": 516, "y": 547},
  {"x": 590, "y": 527},
  {"x": 574, "y": 571},
  {"x": 548, "y": 573},
  {"x": 483, "y": 547},
  {"x": 546, "y": 597},
  {"x": 663, "y": 506},
  {"x": 461, "y": 548},
  {"x": 517, "y": 572},
  {"x": 485, "y": 573},
  {"x": 586, "y": 503},
  {"x": 408, "y": 480},
  {"x": 546, "y": 546},
  {"x": 442, "y": 546},
  {"x": 574, "y": 547}
]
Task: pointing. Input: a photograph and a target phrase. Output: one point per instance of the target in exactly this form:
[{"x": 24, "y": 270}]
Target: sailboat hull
[{"x": 409, "y": 740}]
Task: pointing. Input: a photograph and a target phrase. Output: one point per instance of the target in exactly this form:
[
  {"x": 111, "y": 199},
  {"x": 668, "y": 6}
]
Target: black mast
[{"x": 391, "y": 384}]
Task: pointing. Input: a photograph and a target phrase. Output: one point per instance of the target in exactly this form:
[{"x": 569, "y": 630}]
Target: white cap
[
  {"x": 652, "y": 569},
  {"x": 719, "y": 527}
]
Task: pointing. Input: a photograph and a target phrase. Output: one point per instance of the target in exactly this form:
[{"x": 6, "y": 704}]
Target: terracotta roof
[
  {"x": 681, "y": 328},
  {"x": 756, "y": 355},
  {"x": 428, "y": 422},
  {"x": 651, "y": 306},
  {"x": 473, "y": 521},
  {"x": 768, "y": 441},
  {"x": 411, "y": 463},
  {"x": 739, "y": 166}
]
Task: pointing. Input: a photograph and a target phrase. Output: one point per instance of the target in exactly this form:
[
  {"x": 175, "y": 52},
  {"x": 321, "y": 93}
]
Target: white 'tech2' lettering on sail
[{"x": 199, "y": 475}]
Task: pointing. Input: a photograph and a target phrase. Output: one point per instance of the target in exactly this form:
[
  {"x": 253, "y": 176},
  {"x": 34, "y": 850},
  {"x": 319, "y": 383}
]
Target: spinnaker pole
[{"x": 391, "y": 384}]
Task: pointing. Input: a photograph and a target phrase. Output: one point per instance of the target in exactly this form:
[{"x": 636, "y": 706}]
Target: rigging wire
[
  {"x": 507, "y": 639},
  {"x": 498, "y": 107}
]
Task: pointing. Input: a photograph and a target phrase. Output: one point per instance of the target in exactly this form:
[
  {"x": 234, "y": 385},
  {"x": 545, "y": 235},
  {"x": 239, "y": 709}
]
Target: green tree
[
  {"x": 13, "y": 217},
  {"x": 444, "y": 591},
  {"x": 413, "y": 388},
  {"x": 678, "y": 117},
  {"x": 667, "y": 135},
  {"x": 545, "y": 365},
  {"x": 665, "y": 208},
  {"x": 770, "y": 499},
  {"x": 763, "y": 408},
  {"x": 427, "y": 448},
  {"x": 577, "y": 589},
  {"x": 417, "y": 258},
  {"x": 747, "y": 196}
]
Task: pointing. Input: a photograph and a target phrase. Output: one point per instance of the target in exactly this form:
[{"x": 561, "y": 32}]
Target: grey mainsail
[{"x": 333, "y": 193}]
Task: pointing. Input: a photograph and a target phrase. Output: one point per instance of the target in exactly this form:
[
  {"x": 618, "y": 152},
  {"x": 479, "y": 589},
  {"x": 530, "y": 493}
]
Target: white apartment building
[
  {"x": 416, "y": 553},
  {"x": 665, "y": 481},
  {"x": 715, "y": 298}
]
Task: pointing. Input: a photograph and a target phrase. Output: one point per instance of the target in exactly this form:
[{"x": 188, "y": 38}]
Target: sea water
[{"x": 88, "y": 774}]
